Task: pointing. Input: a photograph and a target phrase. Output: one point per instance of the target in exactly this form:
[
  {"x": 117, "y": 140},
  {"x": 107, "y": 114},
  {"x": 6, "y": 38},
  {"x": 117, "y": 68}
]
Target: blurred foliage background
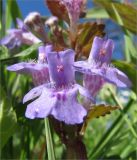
[{"x": 111, "y": 137}]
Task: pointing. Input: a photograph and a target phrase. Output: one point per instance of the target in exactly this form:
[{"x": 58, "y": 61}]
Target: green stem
[{"x": 50, "y": 148}]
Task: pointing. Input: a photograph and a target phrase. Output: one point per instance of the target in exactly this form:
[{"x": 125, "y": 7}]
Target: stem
[
  {"x": 76, "y": 150},
  {"x": 69, "y": 135},
  {"x": 50, "y": 148}
]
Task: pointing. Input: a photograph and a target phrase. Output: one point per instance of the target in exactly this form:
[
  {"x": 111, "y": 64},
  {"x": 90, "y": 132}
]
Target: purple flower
[
  {"x": 93, "y": 83},
  {"x": 59, "y": 97},
  {"x": 38, "y": 71},
  {"x": 99, "y": 64},
  {"x": 21, "y": 25},
  {"x": 12, "y": 40},
  {"x": 18, "y": 36}
]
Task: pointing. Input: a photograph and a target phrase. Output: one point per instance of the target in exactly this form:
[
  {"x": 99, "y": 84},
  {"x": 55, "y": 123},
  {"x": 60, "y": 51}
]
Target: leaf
[
  {"x": 24, "y": 53},
  {"x": 15, "y": 11},
  {"x": 129, "y": 69},
  {"x": 123, "y": 14},
  {"x": 50, "y": 147},
  {"x": 12, "y": 12},
  {"x": 2, "y": 19},
  {"x": 8, "y": 15},
  {"x": 110, "y": 133},
  {"x": 58, "y": 9},
  {"x": 8, "y": 120},
  {"x": 3, "y": 52},
  {"x": 130, "y": 49},
  {"x": 28, "y": 51},
  {"x": 86, "y": 33},
  {"x": 97, "y": 13},
  {"x": 95, "y": 112}
]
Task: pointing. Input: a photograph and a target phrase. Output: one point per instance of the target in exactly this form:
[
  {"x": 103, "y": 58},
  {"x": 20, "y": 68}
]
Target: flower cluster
[{"x": 57, "y": 92}]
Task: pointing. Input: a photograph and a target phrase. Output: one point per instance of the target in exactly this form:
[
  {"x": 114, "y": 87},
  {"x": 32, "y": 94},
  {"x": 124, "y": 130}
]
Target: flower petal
[
  {"x": 40, "y": 76},
  {"x": 33, "y": 93},
  {"x": 93, "y": 83},
  {"x": 117, "y": 77},
  {"x": 109, "y": 74},
  {"x": 6, "y": 40},
  {"x": 96, "y": 46},
  {"x": 21, "y": 25},
  {"x": 101, "y": 50},
  {"x": 41, "y": 107},
  {"x": 85, "y": 92},
  {"x": 61, "y": 67},
  {"x": 112, "y": 75},
  {"x": 11, "y": 41},
  {"x": 68, "y": 109},
  {"x": 29, "y": 39},
  {"x": 26, "y": 68},
  {"x": 82, "y": 66},
  {"x": 43, "y": 50}
]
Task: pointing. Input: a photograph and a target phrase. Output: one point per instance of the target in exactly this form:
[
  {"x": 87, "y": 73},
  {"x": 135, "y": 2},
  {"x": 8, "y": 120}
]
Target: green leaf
[
  {"x": 28, "y": 51},
  {"x": 97, "y": 13},
  {"x": 130, "y": 49},
  {"x": 12, "y": 12},
  {"x": 130, "y": 70},
  {"x": 2, "y": 18},
  {"x": 8, "y": 15},
  {"x": 3, "y": 52},
  {"x": 24, "y": 53},
  {"x": 112, "y": 131},
  {"x": 50, "y": 147},
  {"x": 123, "y": 14},
  {"x": 8, "y": 121}
]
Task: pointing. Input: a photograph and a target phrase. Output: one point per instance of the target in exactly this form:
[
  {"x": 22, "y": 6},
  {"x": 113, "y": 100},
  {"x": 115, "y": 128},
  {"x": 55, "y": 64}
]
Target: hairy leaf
[{"x": 97, "y": 111}]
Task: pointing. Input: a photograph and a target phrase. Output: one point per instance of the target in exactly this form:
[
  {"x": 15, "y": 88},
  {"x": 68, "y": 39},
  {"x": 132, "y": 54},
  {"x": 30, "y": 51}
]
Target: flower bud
[
  {"x": 34, "y": 23},
  {"x": 52, "y": 21}
]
